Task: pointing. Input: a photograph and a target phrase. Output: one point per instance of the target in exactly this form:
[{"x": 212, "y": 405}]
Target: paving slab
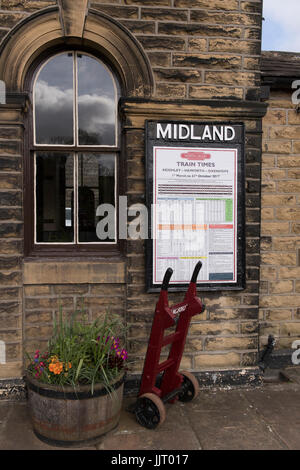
[
  {"x": 130, "y": 435},
  {"x": 292, "y": 374},
  {"x": 228, "y": 420},
  {"x": 276, "y": 403},
  {"x": 288, "y": 433},
  {"x": 16, "y": 432},
  {"x": 264, "y": 418}
]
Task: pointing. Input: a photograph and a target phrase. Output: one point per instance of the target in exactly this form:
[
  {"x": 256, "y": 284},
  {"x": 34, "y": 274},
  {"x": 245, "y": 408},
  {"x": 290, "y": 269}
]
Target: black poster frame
[{"x": 238, "y": 143}]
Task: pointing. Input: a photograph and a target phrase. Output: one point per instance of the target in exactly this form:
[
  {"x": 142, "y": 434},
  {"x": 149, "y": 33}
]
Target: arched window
[{"x": 74, "y": 151}]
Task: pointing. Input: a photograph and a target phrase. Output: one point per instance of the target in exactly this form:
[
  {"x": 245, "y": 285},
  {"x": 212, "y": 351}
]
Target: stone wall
[
  {"x": 280, "y": 231},
  {"x": 199, "y": 50},
  {"x": 45, "y": 302},
  {"x": 11, "y": 240},
  {"x": 226, "y": 335}
]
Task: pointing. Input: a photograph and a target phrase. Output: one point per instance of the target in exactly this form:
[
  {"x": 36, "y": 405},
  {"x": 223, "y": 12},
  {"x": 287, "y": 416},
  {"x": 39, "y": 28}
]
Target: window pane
[
  {"x": 96, "y": 103},
  {"x": 54, "y": 197},
  {"x": 54, "y": 99},
  {"x": 96, "y": 186}
]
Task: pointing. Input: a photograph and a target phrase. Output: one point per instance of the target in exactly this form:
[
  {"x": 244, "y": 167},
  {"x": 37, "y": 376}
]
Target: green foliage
[{"x": 81, "y": 353}]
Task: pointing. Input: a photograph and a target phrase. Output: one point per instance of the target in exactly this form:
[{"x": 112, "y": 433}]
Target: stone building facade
[
  {"x": 194, "y": 60},
  {"x": 279, "y": 299}
]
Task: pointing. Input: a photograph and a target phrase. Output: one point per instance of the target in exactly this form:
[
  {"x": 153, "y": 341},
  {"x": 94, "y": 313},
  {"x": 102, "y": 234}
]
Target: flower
[
  {"x": 56, "y": 367},
  {"x": 124, "y": 354},
  {"x": 80, "y": 353}
]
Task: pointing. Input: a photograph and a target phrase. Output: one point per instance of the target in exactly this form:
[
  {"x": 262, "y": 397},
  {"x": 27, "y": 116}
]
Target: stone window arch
[
  {"x": 44, "y": 35},
  {"x": 49, "y": 28}
]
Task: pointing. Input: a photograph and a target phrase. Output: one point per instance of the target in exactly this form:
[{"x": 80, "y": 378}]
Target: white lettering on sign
[
  {"x": 179, "y": 309},
  {"x": 163, "y": 133},
  {"x": 189, "y": 131}
]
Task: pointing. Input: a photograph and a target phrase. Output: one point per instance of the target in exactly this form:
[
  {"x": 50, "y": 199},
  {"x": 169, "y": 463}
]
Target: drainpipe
[{"x": 263, "y": 362}]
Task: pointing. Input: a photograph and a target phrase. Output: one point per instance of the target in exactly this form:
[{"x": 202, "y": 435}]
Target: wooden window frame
[{"x": 93, "y": 250}]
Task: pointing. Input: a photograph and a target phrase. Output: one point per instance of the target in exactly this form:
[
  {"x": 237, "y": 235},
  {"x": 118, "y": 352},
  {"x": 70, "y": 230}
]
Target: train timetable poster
[{"x": 195, "y": 205}]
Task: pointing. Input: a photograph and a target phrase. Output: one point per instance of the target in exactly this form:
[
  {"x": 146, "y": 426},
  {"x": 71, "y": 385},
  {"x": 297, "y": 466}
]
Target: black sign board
[{"x": 196, "y": 204}]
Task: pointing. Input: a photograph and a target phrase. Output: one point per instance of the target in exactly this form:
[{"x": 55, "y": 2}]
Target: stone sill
[
  {"x": 11, "y": 370},
  {"x": 70, "y": 272}
]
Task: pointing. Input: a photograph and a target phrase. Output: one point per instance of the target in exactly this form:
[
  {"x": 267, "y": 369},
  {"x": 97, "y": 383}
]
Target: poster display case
[{"x": 195, "y": 198}]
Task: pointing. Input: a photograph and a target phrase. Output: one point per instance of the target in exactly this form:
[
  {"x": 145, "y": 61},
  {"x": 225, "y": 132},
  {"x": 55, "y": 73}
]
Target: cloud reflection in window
[{"x": 96, "y": 103}]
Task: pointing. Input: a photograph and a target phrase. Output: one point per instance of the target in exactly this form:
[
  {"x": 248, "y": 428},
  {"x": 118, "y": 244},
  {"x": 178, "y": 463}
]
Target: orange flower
[{"x": 56, "y": 367}]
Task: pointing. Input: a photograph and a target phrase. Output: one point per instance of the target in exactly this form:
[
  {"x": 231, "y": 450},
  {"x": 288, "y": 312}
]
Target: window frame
[{"x": 67, "y": 249}]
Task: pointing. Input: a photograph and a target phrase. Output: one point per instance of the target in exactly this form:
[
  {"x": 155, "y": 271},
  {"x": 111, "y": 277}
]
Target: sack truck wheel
[
  {"x": 150, "y": 411},
  {"x": 190, "y": 387}
]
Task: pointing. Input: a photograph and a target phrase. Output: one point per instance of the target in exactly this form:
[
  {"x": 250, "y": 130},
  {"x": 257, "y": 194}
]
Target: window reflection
[
  {"x": 54, "y": 101},
  {"x": 96, "y": 103},
  {"x": 54, "y": 198},
  {"x": 75, "y": 98},
  {"x": 96, "y": 185}
]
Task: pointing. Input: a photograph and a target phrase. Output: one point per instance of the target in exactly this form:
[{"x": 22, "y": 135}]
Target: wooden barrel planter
[{"x": 71, "y": 417}]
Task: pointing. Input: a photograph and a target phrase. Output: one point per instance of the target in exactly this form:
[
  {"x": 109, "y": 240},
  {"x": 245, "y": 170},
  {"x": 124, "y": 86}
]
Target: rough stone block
[
  {"x": 213, "y": 328},
  {"x": 233, "y": 78},
  {"x": 207, "y": 61},
  {"x": 11, "y": 230},
  {"x": 138, "y": 27},
  {"x": 281, "y": 287},
  {"x": 277, "y": 147},
  {"x": 118, "y": 11},
  {"x": 197, "y": 44},
  {"x": 169, "y": 90},
  {"x": 281, "y": 301},
  {"x": 27, "y": 5},
  {"x": 162, "y": 14},
  {"x": 228, "y": 359},
  {"x": 148, "y": 2},
  {"x": 276, "y": 117},
  {"x": 178, "y": 75},
  {"x": 207, "y": 4},
  {"x": 162, "y": 43},
  {"x": 275, "y": 228},
  {"x": 225, "y": 17},
  {"x": 199, "y": 29},
  {"x": 160, "y": 59},
  {"x": 8, "y": 20},
  {"x": 234, "y": 342},
  {"x": 214, "y": 92}
]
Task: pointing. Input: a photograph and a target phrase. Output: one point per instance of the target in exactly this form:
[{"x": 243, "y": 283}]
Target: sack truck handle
[
  {"x": 169, "y": 272},
  {"x": 196, "y": 272},
  {"x": 166, "y": 280}
]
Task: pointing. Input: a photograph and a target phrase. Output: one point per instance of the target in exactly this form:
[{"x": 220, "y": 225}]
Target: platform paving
[{"x": 263, "y": 418}]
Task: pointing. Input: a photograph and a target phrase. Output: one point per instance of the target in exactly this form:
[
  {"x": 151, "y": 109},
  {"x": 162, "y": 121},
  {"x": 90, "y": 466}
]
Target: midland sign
[{"x": 195, "y": 189}]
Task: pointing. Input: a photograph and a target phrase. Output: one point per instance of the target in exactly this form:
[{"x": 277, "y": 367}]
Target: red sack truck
[{"x": 149, "y": 408}]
